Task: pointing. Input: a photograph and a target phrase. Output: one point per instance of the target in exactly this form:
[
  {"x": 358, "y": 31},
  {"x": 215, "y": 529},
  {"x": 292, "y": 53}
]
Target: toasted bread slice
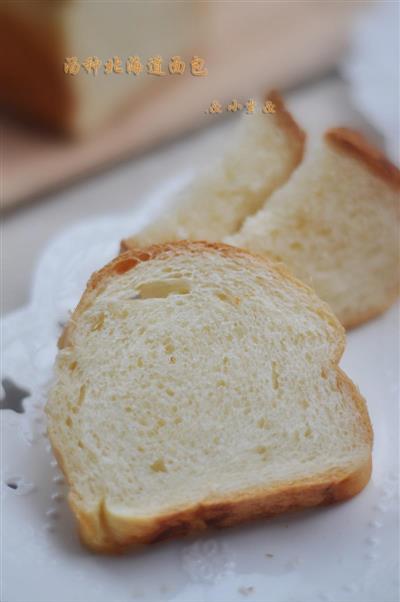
[
  {"x": 335, "y": 224},
  {"x": 198, "y": 385},
  {"x": 261, "y": 157}
]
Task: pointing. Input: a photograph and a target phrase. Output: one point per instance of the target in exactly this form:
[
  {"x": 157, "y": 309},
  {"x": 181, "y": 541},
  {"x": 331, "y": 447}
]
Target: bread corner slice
[
  {"x": 198, "y": 386},
  {"x": 335, "y": 224},
  {"x": 260, "y": 157}
]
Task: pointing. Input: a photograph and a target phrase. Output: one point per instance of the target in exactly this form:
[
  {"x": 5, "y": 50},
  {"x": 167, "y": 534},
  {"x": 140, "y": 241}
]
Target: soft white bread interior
[
  {"x": 198, "y": 385},
  {"x": 335, "y": 224},
  {"x": 264, "y": 151}
]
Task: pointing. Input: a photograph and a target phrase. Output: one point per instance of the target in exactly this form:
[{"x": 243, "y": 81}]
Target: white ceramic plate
[{"x": 348, "y": 552}]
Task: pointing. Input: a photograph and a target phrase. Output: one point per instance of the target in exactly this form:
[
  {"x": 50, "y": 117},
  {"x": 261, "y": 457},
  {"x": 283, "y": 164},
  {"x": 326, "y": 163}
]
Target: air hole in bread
[
  {"x": 262, "y": 450},
  {"x": 275, "y": 376},
  {"x": 158, "y": 466},
  {"x": 82, "y": 392},
  {"x": 169, "y": 347},
  {"x": 308, "y": 432},
  {"x": 227, "y": 298},
  {"x": 296, "y": 246},
  {"x": 160, "y": 289}
]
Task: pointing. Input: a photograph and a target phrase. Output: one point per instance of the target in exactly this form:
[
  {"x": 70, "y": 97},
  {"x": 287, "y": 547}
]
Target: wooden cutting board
[{"x": 250, "y": 48}]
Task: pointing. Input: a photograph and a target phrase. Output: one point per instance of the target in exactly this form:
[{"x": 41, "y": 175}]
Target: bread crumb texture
[{"x": 198, "y": 385}]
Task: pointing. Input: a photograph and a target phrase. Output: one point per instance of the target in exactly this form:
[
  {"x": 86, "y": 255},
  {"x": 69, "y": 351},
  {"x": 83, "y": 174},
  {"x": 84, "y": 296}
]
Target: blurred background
[{"x": 104, "y": 101}]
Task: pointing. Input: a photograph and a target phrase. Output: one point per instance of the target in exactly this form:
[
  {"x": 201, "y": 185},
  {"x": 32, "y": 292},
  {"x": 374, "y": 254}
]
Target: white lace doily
[{"x": 344, "y": 553}]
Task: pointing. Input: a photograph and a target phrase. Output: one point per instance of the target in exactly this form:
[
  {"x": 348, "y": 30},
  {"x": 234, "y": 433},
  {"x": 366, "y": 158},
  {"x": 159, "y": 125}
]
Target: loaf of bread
[
  {"x": 197, "y": 385},
  {"x": 264, "y": 151},
  {"x": 335, "y": 224},
  {"x": 37, "y": 38}
]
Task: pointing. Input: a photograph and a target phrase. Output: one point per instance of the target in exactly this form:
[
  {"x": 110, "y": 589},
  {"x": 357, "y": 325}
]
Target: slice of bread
[
  {"x": 261, "y": 157},
  {"x": 336, "y": 225},
  {"x": 198, "y": 385}
]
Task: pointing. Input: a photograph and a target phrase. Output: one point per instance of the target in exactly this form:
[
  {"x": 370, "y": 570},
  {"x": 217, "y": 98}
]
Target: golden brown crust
[
  {"x": 344, "y": 382},
  {"x": 357, "y": 146},
  {"x": 370, "y": 314},
  {"x": 104, "y": 531},
  {"x": 287, "y": 122}
]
